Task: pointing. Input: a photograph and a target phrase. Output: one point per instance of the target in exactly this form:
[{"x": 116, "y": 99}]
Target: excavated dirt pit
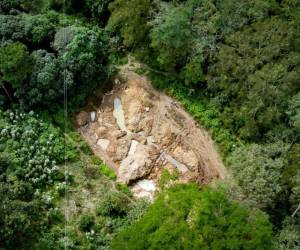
[{"x": 138, "y": 132}]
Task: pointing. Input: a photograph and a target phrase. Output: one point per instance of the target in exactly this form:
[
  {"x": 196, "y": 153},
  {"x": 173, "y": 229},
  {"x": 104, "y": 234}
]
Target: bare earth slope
[{"x": 139, "y": 131}]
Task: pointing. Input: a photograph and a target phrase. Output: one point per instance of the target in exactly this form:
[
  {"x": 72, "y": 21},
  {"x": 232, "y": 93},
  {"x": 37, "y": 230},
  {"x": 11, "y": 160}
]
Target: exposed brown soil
[{"x": 157, "y": 134}]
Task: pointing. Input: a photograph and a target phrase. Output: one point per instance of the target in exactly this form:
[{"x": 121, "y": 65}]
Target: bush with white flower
[{"x": 36, "y": 146}]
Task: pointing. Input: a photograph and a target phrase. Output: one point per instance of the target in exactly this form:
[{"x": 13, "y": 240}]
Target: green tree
[
  {"x": 288, "y": 238},
  {"x": 171, "y": 34},
  {"x": 15, "y": 64},
  {"x": 183, "y": 217},
  {"x": 129, "y": 18},
  {"x": 22, "y": 216},
  {"x": 257, "y": 169},
  {"x": 46, "y": 83},
  {"x": 86, "y": 55},
  {"x": 294, "y": 111},
  {"x": 98, "y": 9},
  {"x": 256, "y": 77}
]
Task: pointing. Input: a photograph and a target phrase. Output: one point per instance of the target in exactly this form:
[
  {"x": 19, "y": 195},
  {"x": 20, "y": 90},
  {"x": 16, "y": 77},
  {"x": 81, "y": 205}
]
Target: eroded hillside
[{"x": 139, "y": 131}]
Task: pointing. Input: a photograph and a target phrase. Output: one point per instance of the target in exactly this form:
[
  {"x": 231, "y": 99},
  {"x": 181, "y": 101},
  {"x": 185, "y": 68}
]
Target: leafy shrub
[
  {"x": 91, "y": 172},
  {"x": 166, "y": 177},
  {"x": 113, "y": 204},
  {"x": 36, "y": 147},
  {"x": 86, "y": 222},
  {"x": 185, "y": 218},
  {"x": 124, "y": 189},
  {"x": 257, "y": 169},
  {"x": 104, "y": 169},
  {"x": 288, "y": 238}
]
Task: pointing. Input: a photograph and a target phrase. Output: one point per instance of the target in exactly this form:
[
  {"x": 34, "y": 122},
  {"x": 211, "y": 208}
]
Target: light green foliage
[
  {"x": 258, "y": 169},
  {"x": 166, "y": 177},
  {"x": 124, "y": 189},
  {"x": 104, "y": 169},
  {"x": 184, "y": 218},
  {"x": 62, "y": 38},
  {"x": 15, "y": 64},
  {"x": 129, "y": 17}
]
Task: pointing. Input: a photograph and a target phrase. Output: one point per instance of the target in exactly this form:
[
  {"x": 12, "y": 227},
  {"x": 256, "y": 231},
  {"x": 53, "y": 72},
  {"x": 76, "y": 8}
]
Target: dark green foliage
[
  {"x": 22, "y": 216},
  {"x": 11, "y": 29},
  {"x": 113, "y": 204},
  {"x": 40, "y": 28},
  {"x": 46, "y": 82},
  {"x": 98, "y": 9},
  {"x": 86, "y": 222},
  {"x": 184, "y": 218},
  {"x": 256, "y": 76},
  {"x": 130, "y": 19},
  {"x": 14, "y": 6},
  {"x": 171, "y": 35},
  {"x": 58, "y": 239},
  {"x": 86, "y": 54}
]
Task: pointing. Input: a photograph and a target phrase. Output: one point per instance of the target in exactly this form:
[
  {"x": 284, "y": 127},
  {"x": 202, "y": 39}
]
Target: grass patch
[{"x": 104, "y": 169}]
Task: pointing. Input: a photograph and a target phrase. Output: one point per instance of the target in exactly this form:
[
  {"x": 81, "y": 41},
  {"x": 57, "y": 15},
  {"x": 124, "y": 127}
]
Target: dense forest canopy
[{"x": 234, "y": 65}]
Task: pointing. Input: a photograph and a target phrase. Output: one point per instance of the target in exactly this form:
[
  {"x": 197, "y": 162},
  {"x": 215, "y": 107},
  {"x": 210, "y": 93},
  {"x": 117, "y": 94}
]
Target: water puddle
[{"x": 119, "y": 115}]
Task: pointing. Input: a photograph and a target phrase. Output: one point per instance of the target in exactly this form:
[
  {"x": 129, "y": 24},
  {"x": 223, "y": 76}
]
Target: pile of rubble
[{"x": 139, "y": 131}]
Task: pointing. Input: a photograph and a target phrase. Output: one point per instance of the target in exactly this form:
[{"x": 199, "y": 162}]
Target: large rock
[
  {"x": 82, "y": 118},
  {"x": 137, "y": 165},
  {"x": 188, "y": 158}
]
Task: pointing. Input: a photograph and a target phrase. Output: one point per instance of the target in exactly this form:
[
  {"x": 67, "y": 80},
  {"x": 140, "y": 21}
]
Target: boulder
[
  {"x": 135, "y": 166},
  {"x": 188, "y": 158}
]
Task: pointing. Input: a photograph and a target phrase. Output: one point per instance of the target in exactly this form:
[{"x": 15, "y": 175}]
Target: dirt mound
[{"x": 139, "y": 131}]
